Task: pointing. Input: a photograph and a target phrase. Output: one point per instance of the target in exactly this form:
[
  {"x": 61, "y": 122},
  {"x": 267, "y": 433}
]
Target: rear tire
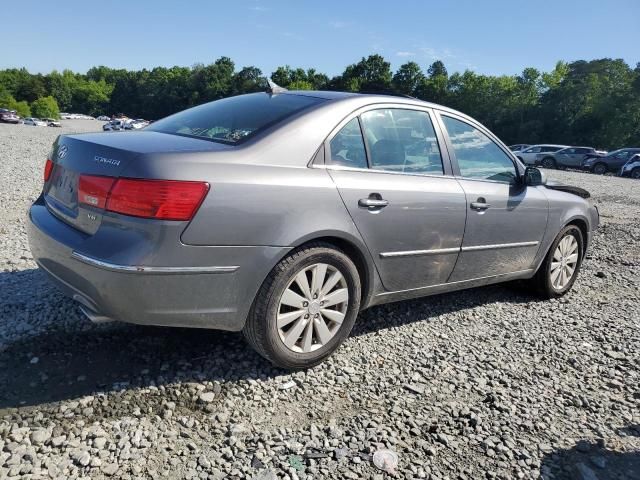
[
  {"x": 548, "y": 162},
  {"x": 297, "y": 341},
  {"x": 547, "y": 280},
  {"x": 599, "y": 169}
]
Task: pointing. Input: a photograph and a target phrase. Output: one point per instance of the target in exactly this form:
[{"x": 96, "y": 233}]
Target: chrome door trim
[
  {"x": 443, "y": 251},
  {"x": 146, "y": 269},
  {"x": 477, "y": 248},
  {"x": 373, "y": 170},
  {"x": 418, "y": 253}
]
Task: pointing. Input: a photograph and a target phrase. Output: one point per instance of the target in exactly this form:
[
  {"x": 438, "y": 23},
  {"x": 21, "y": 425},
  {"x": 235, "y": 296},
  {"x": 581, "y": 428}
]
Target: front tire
[
  {"x": 599, "y": 169},
  {"x": 560, "y": 268},
  {"x": 635, "y": 173},
  {"x": 548, "y": 162},
  {"x": 305, "y": 308}
]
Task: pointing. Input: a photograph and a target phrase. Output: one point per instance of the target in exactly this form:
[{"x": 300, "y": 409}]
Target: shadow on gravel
[
  {"x": 72, "y": 358},
  {"x": 593, "y": 461}
]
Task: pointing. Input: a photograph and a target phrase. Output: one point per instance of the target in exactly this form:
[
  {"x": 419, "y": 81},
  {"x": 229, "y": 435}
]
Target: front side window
[
  {"x": 533, "y": 150},
  {"x": 232, "y": 120},
  {"x": 402, "y": 141},
  {"x": 477, "y": 155},
  {"x": 347, "y": 147}
]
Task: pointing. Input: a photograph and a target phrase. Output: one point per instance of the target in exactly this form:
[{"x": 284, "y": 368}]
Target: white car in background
[
  {"x": 114, "y": 125},
  {"x": 51, "y": 122},
  {"x": 103, "y": 118},
  {"x": 35, "y": 122},
  {"x": 528, "y": 155},
  {"x": 136, "y": 124}
]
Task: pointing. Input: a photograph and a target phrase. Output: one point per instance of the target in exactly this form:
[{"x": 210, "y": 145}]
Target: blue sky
[{"x": 491, "y": 36}]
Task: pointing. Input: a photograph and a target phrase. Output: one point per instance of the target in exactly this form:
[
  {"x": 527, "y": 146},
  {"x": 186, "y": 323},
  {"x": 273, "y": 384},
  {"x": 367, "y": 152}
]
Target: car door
[
  {"x": 618, "y": 160},
  {"x": 580, "y": 155},
  {"x": 565, "y": 157},
  {"x": 506, "y": 220},
  {"x": 529, "y": 155},
  {"x": 400, "y": 193}
]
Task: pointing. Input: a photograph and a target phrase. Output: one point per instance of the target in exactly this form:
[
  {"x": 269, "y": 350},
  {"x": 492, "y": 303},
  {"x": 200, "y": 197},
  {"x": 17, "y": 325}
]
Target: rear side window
[
  {"x": 402, "y": 141},
  {"x": 347, "y": 148},
  {"x": 477, "y": 155},
  {"x": 233, "y": 120}
]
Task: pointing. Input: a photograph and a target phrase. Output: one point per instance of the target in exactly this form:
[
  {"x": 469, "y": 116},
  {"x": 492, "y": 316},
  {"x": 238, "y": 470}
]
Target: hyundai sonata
[{"x": 284, "y": 215}]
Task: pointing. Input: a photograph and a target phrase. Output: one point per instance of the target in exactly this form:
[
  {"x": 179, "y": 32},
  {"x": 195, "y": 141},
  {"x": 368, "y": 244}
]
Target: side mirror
[{"x": 533, "y": 177}]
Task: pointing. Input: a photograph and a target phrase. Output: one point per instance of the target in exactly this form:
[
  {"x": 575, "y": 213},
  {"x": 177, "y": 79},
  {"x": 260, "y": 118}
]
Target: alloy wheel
[
  {"x": 599, "y": 169},
  {"x": 564, "y": 263},
  {"x": 548, "y": 163},
  {"x": 312, "y": 308}
]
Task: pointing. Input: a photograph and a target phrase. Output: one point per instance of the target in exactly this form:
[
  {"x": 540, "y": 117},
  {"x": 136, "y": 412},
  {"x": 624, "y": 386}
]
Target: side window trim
[
  {"x": 367, "y": 151},
  {"x": 491, "y": 136}
]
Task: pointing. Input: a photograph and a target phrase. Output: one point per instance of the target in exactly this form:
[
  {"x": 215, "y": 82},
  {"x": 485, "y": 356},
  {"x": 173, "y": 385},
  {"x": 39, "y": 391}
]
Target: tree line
[{"x": 593, "y": 102}]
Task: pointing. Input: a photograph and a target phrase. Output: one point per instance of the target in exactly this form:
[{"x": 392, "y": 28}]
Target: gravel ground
[{"x": 486, "y": 383}]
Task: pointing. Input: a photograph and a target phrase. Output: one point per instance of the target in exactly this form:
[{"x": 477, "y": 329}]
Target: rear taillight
[
  {"x": 160, "y": 199},
  {"x": 94, "y": 190},
  {"x": 48, "y": 167}
]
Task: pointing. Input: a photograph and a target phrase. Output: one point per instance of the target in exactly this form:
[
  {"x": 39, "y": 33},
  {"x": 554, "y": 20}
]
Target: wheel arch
[
  {"x": 604, "y": 164},
  {"x": 355, "y": 249},
  {"x": 583, "y": 226}
]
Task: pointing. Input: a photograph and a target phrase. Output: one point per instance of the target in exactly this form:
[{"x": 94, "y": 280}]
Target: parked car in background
[
  {"x": 136, "y": 124},
  {"x": 114, "y": 125},
  {"x": 570, "y": 157},
  {"x": 51, "y": 122},
  {"x": 631, "y": 168},
  {"x": 35, "y": 122},
  {"x": 284, "y": 215},
  {"x": 528, "y": 155},
  {"x": 103, "y": 118},
  {"x": 518, "y": 147},
  {"x": 9, "y": 116},
  {"x": 612, "y": 162}
]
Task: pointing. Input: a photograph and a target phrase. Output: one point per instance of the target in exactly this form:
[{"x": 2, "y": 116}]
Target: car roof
[
  {"x": 364, "y": 99},
  {"x": 549, "y": 145}
]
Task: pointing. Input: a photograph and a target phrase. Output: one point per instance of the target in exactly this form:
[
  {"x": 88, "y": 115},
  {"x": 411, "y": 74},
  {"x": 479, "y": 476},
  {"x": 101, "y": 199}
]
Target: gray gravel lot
[{"x": 486, "y": 383}]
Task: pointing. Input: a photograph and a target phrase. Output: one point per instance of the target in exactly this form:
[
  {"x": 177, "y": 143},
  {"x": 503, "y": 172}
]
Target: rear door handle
[
  {"x": 480, "y": 205},
  {"x": 373, "y": 202}
]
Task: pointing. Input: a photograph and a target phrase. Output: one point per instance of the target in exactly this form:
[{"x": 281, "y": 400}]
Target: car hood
[{"x": 563, "y": 187}]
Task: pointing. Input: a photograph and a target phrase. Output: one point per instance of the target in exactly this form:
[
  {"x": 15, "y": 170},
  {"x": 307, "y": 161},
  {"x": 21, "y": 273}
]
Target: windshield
[{"x": 232, "y": 120}]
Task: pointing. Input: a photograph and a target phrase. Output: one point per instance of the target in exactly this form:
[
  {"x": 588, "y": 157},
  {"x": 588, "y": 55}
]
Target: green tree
[
  {"x": 21, "y": 108},
  {"x": 408, "y": 78},
  {"x": 300, "y": 85},
  {"x": 248, "y": 80},
  {"x": 371, "y": 74},
  {"x": 45, "y": 107}
]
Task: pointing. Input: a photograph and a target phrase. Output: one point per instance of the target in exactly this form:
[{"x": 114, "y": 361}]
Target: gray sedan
[{"x": 284, "y": 215}]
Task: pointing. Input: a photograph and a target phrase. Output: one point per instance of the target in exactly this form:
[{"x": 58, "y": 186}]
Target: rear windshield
[{"x": 233, "y": 120}]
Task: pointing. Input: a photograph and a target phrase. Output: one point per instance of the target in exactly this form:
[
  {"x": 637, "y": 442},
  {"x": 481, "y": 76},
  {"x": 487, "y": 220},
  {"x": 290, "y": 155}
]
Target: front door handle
[
  {"x": 375, "y": 200},
  {"x": 480, "y": 204}
]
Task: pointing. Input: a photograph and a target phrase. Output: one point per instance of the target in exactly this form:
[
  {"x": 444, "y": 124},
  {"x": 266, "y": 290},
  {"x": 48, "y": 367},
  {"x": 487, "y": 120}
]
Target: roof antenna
[{"x": 274, "y": 88}]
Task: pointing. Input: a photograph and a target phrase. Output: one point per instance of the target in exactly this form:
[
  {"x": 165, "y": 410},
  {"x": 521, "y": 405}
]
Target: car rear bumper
[{"x": 214, "y": 288}]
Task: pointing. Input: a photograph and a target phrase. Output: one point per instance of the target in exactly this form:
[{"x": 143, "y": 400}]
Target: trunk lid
[{"x": 108, "y": 155}]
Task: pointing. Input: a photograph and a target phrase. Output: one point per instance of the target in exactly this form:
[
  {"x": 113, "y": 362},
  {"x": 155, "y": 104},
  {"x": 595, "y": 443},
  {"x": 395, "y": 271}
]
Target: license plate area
[{"x": 63, "y": 187}]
